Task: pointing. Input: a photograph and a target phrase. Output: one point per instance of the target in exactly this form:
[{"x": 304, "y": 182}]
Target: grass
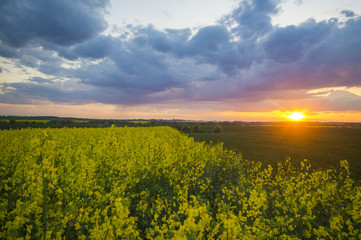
[
  {"x": 324, "y": 147},
  {"x": 138, "y": 122}
]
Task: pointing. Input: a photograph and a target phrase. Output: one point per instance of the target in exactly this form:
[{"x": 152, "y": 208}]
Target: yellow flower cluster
[{"x": 156, "y": 183}]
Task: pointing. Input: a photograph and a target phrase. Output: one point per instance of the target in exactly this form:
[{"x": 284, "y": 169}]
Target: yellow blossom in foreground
[{"x": 156, "y": 183}]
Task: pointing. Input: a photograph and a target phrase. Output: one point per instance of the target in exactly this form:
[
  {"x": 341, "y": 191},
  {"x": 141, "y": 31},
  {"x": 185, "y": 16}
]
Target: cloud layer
[{"x": 243, "y": 58}]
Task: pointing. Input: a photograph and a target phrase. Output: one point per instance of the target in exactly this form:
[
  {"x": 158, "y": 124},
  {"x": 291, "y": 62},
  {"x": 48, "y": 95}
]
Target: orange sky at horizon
[{"x": 103, "y": 111}]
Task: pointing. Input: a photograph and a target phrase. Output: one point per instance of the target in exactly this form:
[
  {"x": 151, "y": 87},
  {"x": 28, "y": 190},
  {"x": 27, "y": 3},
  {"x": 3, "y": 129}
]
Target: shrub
[
  {"x": 218, "y": 129},
  {"x": 186, "y": 128},
  {"x": 197, "y": 129}
]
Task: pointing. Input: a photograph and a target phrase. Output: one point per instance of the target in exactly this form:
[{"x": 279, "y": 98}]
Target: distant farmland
[{"x": 323, "y": 146}]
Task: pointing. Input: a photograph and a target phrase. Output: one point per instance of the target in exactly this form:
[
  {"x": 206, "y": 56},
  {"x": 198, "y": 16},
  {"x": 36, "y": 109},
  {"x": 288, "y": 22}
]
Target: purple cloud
[
  {"x": 348, "y": 13},
  {"x": 243, "y": 57},
  {"x": 63, "y": 22}
]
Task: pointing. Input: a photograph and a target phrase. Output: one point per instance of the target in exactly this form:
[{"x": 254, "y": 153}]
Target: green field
[
  {"x": 324, "y": 147},
  {"x": 25, "y": 121}
]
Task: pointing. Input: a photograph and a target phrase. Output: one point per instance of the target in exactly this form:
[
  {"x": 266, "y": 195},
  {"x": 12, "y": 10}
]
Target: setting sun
[{"x": 295, "y": 116}]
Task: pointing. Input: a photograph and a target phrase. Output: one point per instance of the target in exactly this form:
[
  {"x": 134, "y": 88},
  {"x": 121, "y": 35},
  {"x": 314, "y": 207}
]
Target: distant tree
[
  {"x": 12, "y": 121},
  {"x": 186, "y": 129},
  {"x": 54, "y": 121},
  {"x": 197, "y": 129},
  {"x": 218, "y": 129},
  {"x": 152, "y": 122},
  {"x": 178, "y": 127}
]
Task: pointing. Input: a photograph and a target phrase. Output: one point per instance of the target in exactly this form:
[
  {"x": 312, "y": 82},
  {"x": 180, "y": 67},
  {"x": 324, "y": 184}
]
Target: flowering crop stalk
[
  {"x": 106, "y": 234},
  {"x": 45, "y": 186},
  {"x": 155, "y": 183}
]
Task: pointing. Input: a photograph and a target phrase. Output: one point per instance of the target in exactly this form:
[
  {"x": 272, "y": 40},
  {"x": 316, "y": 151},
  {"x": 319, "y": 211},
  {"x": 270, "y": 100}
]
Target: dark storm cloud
[
  {"x": 8, "y": 52},
  {"x": 209, "y": 45},
  {"x": 310, "y": 55},
  {"x": 46, "y": 90},
  {"x": 98, "y": 47},
  {"x": 291, "y": 43},
  {"x": 25, "y": 93},
  {"x": 63, "y": 22},
  {"x": 342, "y": 46},
  {"x": 54, "y": 70},
  {"x": 40, "y": 80},
  {"x": 210, "y": 38},
  {"x": 242, "y": 57},
  {"x": 348, "y": 13},
  {"x": 140, "y": 68},
  {"x": 213, "y": 45},
  {"x": 254, "y": 17},
  {"x": 171, "y": 40}
]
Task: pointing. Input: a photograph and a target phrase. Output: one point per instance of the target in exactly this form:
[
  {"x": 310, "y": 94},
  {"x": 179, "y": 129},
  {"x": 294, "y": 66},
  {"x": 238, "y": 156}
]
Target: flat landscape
[
  {"x": 323, "y": 146},
  {"x": 232, "y": 119},
  {"x": 157, "y": 183}
]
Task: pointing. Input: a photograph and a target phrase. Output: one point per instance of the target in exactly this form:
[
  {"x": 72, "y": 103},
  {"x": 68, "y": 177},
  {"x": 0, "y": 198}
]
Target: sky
[{"x": 229, "y": 60}]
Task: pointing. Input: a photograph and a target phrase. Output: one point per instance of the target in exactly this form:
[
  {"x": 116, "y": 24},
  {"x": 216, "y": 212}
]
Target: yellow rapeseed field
[{"x": 156, "y": 183}]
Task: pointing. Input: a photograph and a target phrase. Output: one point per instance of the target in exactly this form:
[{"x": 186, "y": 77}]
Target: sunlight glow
[{"x": 295, "y": 116}]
